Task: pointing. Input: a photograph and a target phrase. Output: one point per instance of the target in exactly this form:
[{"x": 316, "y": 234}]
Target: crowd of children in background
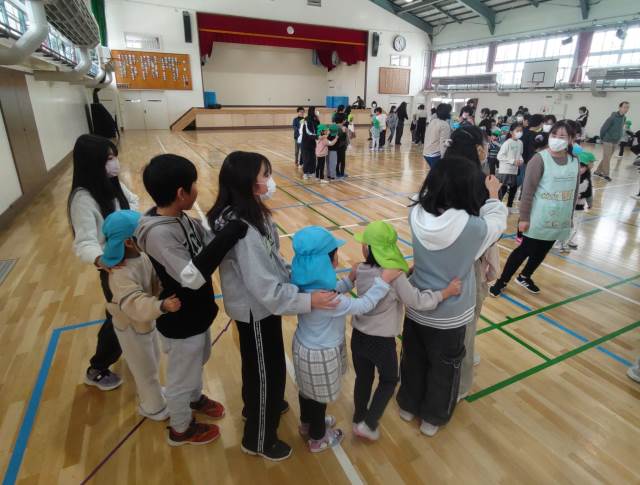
[{"x": 155, "y": 271}]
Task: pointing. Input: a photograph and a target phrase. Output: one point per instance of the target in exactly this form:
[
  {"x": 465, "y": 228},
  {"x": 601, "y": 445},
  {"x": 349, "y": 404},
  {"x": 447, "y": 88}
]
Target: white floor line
[
  {"x": 373, "y": 192},
  {"x": 614, "y": 186},
  {"x": 349, "y": 226},
  {"x": 349, "y": 470},
  {"x": 578, "y": 278},
  {"x": 161, "y": 145}
]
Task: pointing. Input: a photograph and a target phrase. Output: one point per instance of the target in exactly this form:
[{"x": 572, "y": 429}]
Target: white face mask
[
  {"x": 271, "y": 189},
  {"x": 557, "y": 144},
  {"x": 518, "y": 135},
  {"x": 113, "y": 167},
  {"x": 546, "y": 128},
  {"x": 317, "y": 113},
  {"x": 520, "y": 119}
]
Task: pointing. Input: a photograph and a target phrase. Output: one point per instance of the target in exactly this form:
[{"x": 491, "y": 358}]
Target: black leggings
[
  {"x": 534, "y": 249},
  {"x": 370, "y": 352},
  {"x": 108, "y": 349},
  {"x": 342, "y": 155},
  {"x": 508, "y": 189},
  {"x": 320, "y": 167},
  {"x": 313, "y": 413},
  {"x": 399, "y": 131}
]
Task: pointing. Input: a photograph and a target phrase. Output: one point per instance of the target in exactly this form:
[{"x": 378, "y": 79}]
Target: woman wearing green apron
[{"x": 546, "y": 209}]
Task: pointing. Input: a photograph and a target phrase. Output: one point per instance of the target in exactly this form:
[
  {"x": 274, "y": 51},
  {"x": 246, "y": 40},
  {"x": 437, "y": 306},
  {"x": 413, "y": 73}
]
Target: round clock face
[{"x": 399, "y": 43}]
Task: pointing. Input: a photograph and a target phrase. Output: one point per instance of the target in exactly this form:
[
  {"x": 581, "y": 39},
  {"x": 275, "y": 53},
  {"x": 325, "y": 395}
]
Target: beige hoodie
[{"x": 135, "y": 287}]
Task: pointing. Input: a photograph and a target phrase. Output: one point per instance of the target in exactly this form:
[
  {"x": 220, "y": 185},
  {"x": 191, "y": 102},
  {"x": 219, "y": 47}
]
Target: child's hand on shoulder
[
  {"x": 390, "y": 275},
  {"x": 171, "y": 304},
  {"x": 454, "y": 288},
  {"x": 353, "y": 273}
]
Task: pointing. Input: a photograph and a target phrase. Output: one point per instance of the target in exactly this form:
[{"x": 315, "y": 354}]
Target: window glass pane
[
  {"x": 440, "y": 71},
  {"x": 477, "y": 56},
  {"x": 632, "y": 41},
  {"x": 456, "y": 71},
  {"x": 442, "y": 59},
  {"x": 458, "y": 58},
  {"x": 505, "y": 78},
  {"x": 605, "y": 40},
  {"x": 477, "y": 69},
  {"x": 632, "y": 58},
  {"x": 569, "y": 49},
  {"x": 506, "y": 52},
  {"x": 553, "y": 47},
  {"x": 524, "y": 50}
]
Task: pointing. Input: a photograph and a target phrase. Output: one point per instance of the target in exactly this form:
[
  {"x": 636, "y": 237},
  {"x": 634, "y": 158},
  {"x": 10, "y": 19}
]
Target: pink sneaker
[
  {"x": 303, "y": 428},
  {"x": 332, "y": 438}
]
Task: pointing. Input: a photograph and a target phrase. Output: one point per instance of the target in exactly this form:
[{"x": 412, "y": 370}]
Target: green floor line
[
  {"x": 549, "y": 363},
  {"x": 543, "y": 309},
  {"x": 517, "y": 339}
]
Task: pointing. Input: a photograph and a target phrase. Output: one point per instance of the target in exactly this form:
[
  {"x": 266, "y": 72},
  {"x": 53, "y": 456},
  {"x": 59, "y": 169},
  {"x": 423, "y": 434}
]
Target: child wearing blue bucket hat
[
  {"x": 134, "y": 306},
  {"x": 373, "y": 339},
  {"x": 319, "y": 350}
]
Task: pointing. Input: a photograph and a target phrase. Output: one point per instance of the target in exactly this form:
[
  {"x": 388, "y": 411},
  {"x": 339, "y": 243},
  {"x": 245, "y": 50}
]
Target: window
[
  {"x": 141, "y": 41},
  {"x": 607, "y": 50},
  {"x": 461, "y": 61},
  {"x": 510, "y": 58}
]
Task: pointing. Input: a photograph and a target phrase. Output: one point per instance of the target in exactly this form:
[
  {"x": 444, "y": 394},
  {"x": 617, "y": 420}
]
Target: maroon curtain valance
[{"x": 349, "y": 44}]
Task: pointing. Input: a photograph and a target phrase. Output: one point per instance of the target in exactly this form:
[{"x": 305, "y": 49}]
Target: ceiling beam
[
  {"x": 481, "y": 9},
  {"x": 450, "y": 15},
  {"x": 411, "y": 7},
  {"x": 391, "y": 7},
  {"x": 584, "y": 8}
]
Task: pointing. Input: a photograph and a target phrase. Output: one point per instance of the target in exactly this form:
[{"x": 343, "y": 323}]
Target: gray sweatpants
[
  {"x": 466, "y": 375},
  {"x": 141, "y": 352},
  {"x": 186, "y": 357},
  {"x": 333, "y": 161}
]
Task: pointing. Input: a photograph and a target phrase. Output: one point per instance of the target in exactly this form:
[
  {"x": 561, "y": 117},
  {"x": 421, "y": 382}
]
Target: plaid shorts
[{"x": 319, "y": 371}]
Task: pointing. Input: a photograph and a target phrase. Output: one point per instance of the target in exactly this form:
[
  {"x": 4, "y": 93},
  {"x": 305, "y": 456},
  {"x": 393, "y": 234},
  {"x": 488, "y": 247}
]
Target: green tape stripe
[
  {"x": 517, "y": 339},
  {"x": 306, "y": 204},
  {"x": 543, "y": 309},
  {"x": 549, "y": 363}
]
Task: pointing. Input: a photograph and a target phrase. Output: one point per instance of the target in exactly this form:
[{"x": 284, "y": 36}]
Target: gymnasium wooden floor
[{"x": 551, "y": 402}]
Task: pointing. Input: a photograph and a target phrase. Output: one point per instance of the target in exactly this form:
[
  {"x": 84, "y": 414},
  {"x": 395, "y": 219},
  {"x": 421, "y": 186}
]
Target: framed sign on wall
[
  {"x": 152, "y": 70},
  {"x": 393, "y": 80}
]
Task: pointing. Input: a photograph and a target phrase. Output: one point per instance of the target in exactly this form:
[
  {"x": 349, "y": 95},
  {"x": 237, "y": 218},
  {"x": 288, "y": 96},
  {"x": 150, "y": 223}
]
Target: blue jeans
[{"x": 432, "y": 161}]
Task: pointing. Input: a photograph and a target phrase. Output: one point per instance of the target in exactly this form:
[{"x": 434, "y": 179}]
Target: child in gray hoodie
[
  {"x": 373, "y": 339},
  {"x": 456, "y": 218}
]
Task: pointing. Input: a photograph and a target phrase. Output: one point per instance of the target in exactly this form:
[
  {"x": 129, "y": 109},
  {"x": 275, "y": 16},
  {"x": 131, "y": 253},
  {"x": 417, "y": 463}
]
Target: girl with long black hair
[
  {"x": 256, "y": 288},
  {"x": 402, "y": 117},
  {"x": 96, "y": 192},
  {"x": 309, "y": 134}
]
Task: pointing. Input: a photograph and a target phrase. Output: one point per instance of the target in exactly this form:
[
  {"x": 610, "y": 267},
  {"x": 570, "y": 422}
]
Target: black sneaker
[
  {"x": 527, "y": 283},
  {"x": 606, "y": 177},
  {"x": 496, "y": 289},
  {"x": 278, "y": 452},
  {"x": 284, "y": 409}
]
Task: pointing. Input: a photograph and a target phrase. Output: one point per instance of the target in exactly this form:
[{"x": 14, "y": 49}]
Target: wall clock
[{"x": 399, "y": 43}]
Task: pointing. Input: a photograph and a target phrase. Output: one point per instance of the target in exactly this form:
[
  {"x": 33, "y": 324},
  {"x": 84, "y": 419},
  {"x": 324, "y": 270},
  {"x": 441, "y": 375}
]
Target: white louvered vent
[{"x": 314, "y": 3}]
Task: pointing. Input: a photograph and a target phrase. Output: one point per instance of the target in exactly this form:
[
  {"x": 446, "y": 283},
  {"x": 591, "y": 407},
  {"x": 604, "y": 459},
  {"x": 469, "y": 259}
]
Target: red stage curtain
[{"x": 351, "y": 45}]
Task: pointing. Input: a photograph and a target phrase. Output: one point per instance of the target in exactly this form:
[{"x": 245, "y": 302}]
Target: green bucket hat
[
  {"x": 586, "y": 158},
  {"x": 382, "y": 238}
]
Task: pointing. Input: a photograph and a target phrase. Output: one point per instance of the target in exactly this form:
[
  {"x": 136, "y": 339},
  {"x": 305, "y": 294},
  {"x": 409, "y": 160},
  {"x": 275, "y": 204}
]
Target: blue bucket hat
[
  {"x": 118, "y": 227},
  {"x": 311, "y": 268}
]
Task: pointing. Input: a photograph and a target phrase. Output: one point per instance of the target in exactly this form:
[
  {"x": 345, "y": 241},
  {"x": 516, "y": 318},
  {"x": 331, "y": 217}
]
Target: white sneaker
[
  {"x": 406, "y": 415},
  {"x": 324, "y": 181},
  {"x": 476, "y": 359},
  {"x": 161, "y": 415},
  {"x": 514, "y": 210},
  {"x": 634, "y": 373},
  {"x": 305, "y": 177},
  {"x": 461, "y": 397},
  {"x": 362, "y": 430},
  {"x": 428, "y": 429}
]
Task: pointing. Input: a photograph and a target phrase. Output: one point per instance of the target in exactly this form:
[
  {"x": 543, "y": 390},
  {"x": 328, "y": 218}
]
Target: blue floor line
[{"x": 567, "y": 330}]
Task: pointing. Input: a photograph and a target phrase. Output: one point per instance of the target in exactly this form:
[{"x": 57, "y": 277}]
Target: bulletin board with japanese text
[{"x": 152, "y": 70}]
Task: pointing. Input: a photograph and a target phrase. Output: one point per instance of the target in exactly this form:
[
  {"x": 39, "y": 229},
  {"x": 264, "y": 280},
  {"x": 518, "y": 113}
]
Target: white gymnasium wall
[
  {"x": 147, "y": 18},
  {"x": 11, "y": 189},
  {"x": 548, "y": 17},
  {"x": 562, "y": 104},
  {"x": 164, "y": 18},
  {"x": 59, "y": 111},
  {"x": 253, "y": 75},
  {"x": 346, "y": 80}
]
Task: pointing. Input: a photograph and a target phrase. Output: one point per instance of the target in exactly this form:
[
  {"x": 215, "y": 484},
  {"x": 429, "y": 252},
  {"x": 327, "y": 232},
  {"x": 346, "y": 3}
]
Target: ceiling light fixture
[{"x": 568, "y": 40}]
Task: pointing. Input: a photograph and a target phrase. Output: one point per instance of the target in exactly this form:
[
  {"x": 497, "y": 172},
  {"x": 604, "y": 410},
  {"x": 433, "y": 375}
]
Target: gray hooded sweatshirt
[{"x": 445, "y": 247}]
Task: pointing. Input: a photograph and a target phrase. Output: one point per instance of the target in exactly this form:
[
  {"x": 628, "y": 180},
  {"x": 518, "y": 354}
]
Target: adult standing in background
[
  {"x": 611, "y": 133},
  {"x": 437, "y": 134},
  {"x": 402, "y": 117},
  {"x": 359, "y": 103},
  {"x": 583, "y": 116},
  {"x": 309, "y": 129},
  {"x": 421, "y": 124}
]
